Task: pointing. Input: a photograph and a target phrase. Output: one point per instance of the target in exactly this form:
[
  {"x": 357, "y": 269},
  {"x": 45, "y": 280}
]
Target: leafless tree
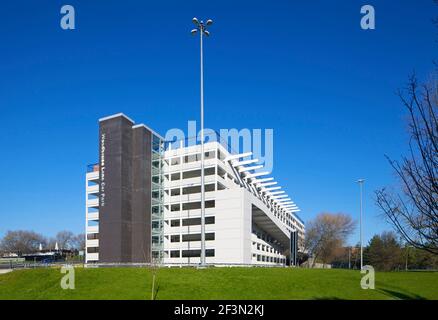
[
  {"x": 327, "y": 233},
  {"x": 65, "y": 239},
  {"x": 22, "y": 241},
  {"x": 413, "y": 211},
  {"x": 78, "y": 242}
]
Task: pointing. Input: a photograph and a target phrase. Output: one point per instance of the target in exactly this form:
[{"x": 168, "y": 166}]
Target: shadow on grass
[
  {"x": 401, "y": 295},
  {"x": 327, "y": 298},
  {"x": 156, "y": 292}
]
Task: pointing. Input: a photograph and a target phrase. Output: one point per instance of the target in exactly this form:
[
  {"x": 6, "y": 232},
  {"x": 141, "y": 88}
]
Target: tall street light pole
[
  {"x": 361, "y": 181},
  {"x": 201, "y": 28}
]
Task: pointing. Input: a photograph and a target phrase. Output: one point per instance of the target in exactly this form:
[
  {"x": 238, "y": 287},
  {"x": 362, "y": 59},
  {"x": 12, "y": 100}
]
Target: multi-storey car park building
[{"x": 143, "y": 203}]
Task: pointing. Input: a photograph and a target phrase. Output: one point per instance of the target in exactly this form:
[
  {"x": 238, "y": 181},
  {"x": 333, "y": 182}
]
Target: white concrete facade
[
  {"x": 249, "y": 226},
  {"x": 246, "y": 221},
  {"x": 92, "y": 214}
]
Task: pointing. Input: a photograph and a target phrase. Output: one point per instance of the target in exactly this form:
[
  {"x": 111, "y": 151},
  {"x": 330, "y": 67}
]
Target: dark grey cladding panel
[
  {"x": 115, "y": 211},
  {"x": 141, "y": 195}
]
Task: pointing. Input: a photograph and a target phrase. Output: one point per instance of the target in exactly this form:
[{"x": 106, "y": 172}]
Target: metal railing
[
  {"x": 33, "y": 265},
  {"x": 180, "y": 265}
]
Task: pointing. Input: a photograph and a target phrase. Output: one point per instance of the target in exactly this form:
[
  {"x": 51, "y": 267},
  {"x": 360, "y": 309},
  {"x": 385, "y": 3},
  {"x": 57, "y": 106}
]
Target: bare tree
[
  {"x": 78, "y": 242},
  {"x": 51, "y": 243},
  {"x": 413, "y": 212},
  {"x": 22, "y": 241},
  {"x": 65, "y": 239},
  {"x": 326, "y": 234}
]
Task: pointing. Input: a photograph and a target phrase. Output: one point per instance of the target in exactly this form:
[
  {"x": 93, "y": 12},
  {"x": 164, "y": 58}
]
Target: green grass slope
[{"x": 217, "y": 283}]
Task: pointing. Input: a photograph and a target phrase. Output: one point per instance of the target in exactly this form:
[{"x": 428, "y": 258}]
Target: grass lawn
[{"x": 217, "y": 283}]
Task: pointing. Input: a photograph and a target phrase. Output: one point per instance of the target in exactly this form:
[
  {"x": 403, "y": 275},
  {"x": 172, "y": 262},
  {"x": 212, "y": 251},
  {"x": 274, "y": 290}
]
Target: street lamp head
[
  {"x": 194, "y": 31},
  {"x": 195, "y": 21},
  {"x": 206, "y": 33},
  {"x": 209, "y": 22},
  {"x": 360, "y": 180}
]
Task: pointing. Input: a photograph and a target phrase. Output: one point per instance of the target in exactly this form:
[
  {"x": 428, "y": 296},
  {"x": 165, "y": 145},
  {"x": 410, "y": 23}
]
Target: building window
[
  {"x": 93, "y": 250},
  {"x": 192, "y": 158},
  {"x": 220, "y": 155},
  {"x": 92, "y": 236},
  {"x": 156, "y": 194},
  {"x": 155, "y": 209},
  {"x": 197, "y": 237},
  {"x": 156, "y": 164},
  {"x": 175, "y": 223},
  {"x": 197, "y": 205},
  {"x": 175, "y": 176},
  {"x": 197, "y": 221},
  {"x": 174, "y": 238},
  {"x": 209, "y": 155},
  {"x": 175, "y": 192},
  {"x": 197, "y": 253},
  {"x": 156, "y": 240},
  {"x": 156, "y": 224},
  {"x": 156, "y": 179},
  {"x": 197, "y": 189},
  {"x": 191, "y": 190},
  {"x": 197, "y": 173},
  {"x": 175, "y": 161},
  {"x": 175, "y": 207},
  {"x": 175, "y": 254},
  {"x": 220, "y": 186}
]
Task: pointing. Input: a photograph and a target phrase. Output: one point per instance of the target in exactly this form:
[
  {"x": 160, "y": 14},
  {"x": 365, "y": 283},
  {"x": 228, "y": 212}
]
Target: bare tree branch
[{"x": 413, "y": 212}]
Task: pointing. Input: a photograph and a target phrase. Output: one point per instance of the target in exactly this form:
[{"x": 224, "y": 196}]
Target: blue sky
[{"x": 305, "y": 69}]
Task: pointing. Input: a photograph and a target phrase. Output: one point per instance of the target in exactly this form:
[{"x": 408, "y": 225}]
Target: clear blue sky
[{"x": 303, "y": 68}]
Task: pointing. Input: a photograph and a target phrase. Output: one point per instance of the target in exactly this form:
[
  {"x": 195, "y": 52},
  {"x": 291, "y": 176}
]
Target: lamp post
[
  {"x": 361, "y": 181},
  {"x": 201, "y": 28}
]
